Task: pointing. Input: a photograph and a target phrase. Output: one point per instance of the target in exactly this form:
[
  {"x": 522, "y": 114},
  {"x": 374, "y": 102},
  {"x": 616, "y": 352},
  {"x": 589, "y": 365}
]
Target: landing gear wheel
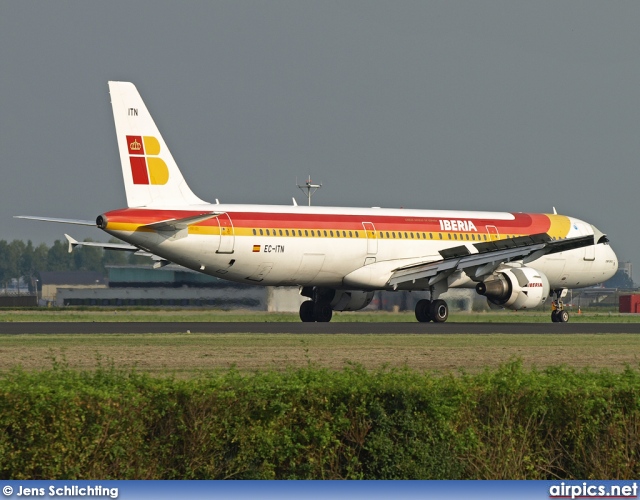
[
  {"x": 423, "y": 311},
  {"x": 322, "y": 312},
  {"x": 439, "y": 311},
  {"x": 306, "y": 312},
  {"x": 559, "y": 314}
]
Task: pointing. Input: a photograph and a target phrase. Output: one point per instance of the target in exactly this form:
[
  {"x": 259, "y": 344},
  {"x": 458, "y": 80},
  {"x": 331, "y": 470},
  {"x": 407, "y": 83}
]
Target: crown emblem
[{"x": 135, "y": 145}]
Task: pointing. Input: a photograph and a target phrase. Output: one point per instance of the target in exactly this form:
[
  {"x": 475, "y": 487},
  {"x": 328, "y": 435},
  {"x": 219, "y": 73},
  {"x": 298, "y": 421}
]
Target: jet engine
[
  {"x": 515, "y": 288},
  {"x": 338, "y": 300},
  {"x": 351, "y": 300}
]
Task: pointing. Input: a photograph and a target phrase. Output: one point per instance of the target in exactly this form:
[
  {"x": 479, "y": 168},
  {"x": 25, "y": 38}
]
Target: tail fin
[{"x": 151, "y": 176}]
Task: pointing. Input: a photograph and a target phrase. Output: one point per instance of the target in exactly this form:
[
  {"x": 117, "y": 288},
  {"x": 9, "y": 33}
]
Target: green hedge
[{"x": 314, "y": 423}]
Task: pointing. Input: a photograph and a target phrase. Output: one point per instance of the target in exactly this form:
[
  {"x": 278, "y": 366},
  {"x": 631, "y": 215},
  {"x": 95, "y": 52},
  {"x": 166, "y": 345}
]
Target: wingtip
[{"x": 72, "y": 242}]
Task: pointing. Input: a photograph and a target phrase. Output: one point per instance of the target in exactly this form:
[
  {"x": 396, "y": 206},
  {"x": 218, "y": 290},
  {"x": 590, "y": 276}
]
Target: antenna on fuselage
[{"x": 309, "y": 187}]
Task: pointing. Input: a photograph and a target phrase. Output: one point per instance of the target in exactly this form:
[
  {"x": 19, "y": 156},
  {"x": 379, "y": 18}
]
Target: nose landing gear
[{"x": 558, "y": 312}]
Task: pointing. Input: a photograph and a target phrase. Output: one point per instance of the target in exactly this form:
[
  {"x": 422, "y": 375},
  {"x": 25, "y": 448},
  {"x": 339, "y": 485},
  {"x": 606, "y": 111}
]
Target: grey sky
[{"x": 487, "y": 105}]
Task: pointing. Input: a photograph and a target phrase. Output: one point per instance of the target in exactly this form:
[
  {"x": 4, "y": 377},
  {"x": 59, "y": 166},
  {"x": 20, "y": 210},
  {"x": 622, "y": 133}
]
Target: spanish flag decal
[{"x": 256, "y": 248}]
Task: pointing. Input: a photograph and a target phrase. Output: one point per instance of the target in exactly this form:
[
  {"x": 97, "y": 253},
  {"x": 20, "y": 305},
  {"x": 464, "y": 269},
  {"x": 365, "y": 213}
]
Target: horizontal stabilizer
[
  {"x": 107, "y": 246},
  {"x": 159, "y": 262},
  {"x": 53, "y": 219}
]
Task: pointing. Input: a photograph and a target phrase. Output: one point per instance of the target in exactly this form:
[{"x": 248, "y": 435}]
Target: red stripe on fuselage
[{"x": 520, "y": 224}]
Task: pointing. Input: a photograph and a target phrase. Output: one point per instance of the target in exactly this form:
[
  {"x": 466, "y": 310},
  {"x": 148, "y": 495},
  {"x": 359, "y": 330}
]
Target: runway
[{"x": 314, "y": 328}]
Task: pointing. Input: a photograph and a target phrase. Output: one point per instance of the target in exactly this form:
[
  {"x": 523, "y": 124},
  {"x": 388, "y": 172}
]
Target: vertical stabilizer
[{"x": 151, "y": 176}]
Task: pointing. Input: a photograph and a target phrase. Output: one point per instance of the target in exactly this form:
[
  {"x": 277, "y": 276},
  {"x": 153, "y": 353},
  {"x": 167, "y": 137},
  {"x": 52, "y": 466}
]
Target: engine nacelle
[
  {"x": 516, "y": 288},
  {"x": 351, "y": 300},
  {"x": 339, "y": 300},
  {"x": 101, "y": 221}
]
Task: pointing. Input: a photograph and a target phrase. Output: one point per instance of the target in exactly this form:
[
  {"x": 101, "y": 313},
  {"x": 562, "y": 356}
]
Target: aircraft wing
[
  {"x": 487, "y": 257},
  {"x": 53, "y": 219},
  {"x": 165, "y": 225}
]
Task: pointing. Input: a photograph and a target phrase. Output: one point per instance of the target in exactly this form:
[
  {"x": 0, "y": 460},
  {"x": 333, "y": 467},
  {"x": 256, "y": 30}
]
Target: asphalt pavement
[{"x": 311, "y": 328}]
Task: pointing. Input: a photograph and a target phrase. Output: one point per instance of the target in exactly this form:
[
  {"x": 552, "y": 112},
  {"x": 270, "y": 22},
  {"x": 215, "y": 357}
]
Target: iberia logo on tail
[{"x": 146, "y": 166}]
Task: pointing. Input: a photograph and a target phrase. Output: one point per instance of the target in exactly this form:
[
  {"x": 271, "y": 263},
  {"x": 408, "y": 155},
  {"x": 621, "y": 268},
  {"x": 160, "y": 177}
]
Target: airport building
[
  {"x": 170, "y": 286},
  {"x": 176, "y": 286},
  {"x": 51, "y": 281}
]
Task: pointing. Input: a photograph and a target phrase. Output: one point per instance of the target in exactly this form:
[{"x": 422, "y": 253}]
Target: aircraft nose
[
  {"x": 607, "y": 261},
  {"x": 610, "y": 261}
]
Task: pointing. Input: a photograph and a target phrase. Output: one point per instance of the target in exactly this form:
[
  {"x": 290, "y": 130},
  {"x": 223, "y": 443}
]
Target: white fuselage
[{"x": 350, "y": 248}]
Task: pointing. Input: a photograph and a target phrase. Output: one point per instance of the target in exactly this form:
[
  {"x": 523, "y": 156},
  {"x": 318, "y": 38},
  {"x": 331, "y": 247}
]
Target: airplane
[{"x": 340, "y": 256}]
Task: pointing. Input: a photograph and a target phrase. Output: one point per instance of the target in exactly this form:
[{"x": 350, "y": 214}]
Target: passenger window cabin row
[{"x": 390, "y": 235}]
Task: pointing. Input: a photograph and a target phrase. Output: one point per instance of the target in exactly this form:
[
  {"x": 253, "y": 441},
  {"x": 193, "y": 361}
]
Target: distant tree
[
  {"x": 16, "y": 249},
  {"x": 114, "y": 257},
  {"x": 58, "y": 257},
  {"x": 88, "y": 258},
  {"x": 5, "y": 264},
  {"x": 25, "y": 264},
  {"x": 23, "y": 260},
  {"x": 39, "y": 263},
  {"x": 619, "y": 280},
  {"x": 40, "y": 257},
  {"x": 138, "y": 260}
]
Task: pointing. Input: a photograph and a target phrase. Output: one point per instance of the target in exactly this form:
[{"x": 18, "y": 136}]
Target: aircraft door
[
  {"x": 372, "y": 242},
  {"x": 590, "y": 251},
  {"x": 493, "y": 233},
  {"x": 227, "y": 236}
]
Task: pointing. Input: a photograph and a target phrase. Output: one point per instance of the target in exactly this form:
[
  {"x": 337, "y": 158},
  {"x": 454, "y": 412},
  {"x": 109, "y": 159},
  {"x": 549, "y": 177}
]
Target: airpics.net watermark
[
  {"x": 588, "y": 490},
  {"x": 61, "y": 491}
]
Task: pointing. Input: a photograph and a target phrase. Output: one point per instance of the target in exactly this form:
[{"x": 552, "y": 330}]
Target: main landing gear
[
  {"x": 558, "y": 312},
  {"x": 311, "y": 311},
  {"x": 318, "y": 309},
  {"x": 436, "y": 311}
]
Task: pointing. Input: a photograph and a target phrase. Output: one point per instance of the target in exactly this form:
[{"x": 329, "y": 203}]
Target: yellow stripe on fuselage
[{"x": 560, "y": 226}]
